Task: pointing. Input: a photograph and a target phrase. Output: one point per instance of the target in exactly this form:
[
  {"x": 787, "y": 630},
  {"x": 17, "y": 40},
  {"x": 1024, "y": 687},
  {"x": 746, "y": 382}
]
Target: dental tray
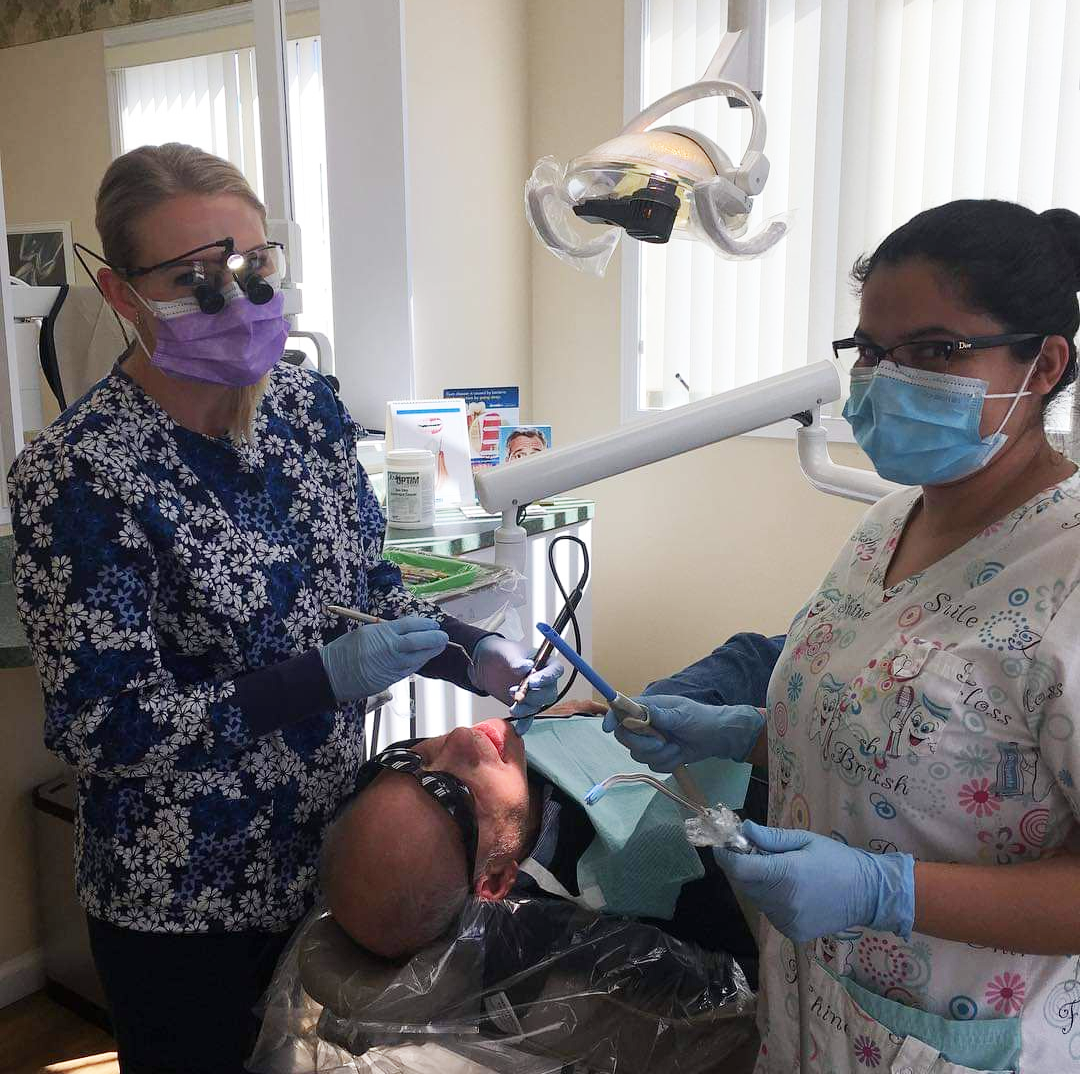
[{"x": 426, "y": 575}]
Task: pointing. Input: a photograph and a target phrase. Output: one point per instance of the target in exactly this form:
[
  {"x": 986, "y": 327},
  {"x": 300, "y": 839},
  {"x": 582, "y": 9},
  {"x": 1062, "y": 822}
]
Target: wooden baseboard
[{"x": 21, "y": 976}]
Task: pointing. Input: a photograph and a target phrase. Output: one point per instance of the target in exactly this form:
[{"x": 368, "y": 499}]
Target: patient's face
[
  {"x": 395, "y": 875},
  {"x": 489, "y": 758}
]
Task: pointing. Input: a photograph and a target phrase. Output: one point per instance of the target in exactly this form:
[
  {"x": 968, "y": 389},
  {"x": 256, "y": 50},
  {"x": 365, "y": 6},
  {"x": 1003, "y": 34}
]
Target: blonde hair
[{"x": 142, "y": 179}]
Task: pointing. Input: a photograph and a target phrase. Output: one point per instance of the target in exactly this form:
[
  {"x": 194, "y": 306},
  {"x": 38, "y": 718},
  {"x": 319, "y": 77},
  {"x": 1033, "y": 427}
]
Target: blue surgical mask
[{"x": 922, "y": 428}]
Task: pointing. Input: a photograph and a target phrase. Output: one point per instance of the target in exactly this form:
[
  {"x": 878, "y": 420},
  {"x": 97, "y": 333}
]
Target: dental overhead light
[{"x": 655, "y": 182}]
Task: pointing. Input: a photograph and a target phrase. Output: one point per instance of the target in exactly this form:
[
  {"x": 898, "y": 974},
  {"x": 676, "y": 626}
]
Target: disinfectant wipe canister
[{"x": 410, "y": 489}]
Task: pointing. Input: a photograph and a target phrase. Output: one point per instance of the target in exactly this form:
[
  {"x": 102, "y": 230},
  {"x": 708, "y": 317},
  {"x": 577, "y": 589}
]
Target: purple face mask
[{"x": 237, "y": 346}]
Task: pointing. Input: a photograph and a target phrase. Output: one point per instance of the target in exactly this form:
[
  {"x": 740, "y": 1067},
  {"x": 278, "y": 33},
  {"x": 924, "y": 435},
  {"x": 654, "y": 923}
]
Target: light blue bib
[{"x": 640, "y": 858}]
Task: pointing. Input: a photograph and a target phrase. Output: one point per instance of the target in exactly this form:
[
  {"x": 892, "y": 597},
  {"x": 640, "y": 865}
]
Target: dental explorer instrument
[
  {"x": 633, "y": 716},
  {"x": 543, "y": 654},
  {"x": 370, "y": 620}
]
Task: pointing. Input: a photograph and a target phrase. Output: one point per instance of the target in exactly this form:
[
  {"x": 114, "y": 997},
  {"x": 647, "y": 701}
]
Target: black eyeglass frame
[
  {"x": 446, "y": 789},
  {"x": 227, "y": 245},
  {"x": 971, "y": 343}
]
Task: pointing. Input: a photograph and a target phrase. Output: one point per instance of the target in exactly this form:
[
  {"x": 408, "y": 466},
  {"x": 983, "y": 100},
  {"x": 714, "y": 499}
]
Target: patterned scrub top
[
  {"x": 172, "y": 586},
  {"x": 937, "y": 717}
]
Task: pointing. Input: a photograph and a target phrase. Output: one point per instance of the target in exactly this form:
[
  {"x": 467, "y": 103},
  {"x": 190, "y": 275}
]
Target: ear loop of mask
[
  {"x": 1017, "y": 395},
  {"x": 135, "y": 325}
]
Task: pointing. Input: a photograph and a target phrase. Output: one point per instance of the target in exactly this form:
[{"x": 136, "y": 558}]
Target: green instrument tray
[{"x": 459, "y": 572}]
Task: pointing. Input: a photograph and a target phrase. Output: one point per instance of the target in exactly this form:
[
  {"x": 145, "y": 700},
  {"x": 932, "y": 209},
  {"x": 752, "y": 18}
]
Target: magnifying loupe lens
[
  {"x": 258, "y": 290},
  {"x": 209, "y": 298}
]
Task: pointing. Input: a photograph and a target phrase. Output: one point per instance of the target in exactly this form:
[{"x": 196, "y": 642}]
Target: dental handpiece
[{"x": 363, "y": 617}]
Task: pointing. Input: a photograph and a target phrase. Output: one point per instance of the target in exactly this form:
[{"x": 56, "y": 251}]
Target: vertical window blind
[
  {"x": 876, "y": 109},
  {"x": 213, "y": 102}
]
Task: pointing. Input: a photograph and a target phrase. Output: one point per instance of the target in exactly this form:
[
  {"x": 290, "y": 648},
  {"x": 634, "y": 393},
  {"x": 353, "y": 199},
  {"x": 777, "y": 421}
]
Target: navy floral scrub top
[{"x": 172, "y": 586}]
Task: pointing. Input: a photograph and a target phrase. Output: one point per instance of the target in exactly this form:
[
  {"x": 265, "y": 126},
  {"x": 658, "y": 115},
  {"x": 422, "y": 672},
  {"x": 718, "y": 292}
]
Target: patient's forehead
[{"x": 413, "y": 824}]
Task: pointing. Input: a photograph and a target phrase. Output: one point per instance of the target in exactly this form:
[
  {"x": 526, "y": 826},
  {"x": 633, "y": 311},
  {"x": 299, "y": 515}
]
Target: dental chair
[{"x": 528, "y": 985}]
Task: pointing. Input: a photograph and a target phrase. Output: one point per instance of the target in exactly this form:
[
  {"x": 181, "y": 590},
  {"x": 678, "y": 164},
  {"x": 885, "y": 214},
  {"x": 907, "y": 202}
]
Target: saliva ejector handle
[
  {"x": 635, "y": 717},
  {"x": 576, "y": 660}
]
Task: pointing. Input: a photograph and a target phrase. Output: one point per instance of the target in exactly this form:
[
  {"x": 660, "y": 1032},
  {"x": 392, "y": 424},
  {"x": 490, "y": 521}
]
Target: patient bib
[{"x": 640, "y": 859}]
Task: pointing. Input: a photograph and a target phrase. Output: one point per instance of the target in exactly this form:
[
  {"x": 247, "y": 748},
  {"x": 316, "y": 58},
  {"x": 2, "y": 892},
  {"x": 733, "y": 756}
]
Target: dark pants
[{"x": 183, "y": 1003}]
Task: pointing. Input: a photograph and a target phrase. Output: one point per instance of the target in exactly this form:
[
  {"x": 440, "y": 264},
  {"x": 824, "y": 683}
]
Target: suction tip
[{"x": 595, "y": 793}]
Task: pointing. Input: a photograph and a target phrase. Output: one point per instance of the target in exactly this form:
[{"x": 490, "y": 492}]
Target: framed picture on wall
[{"x": 41, "y": 254}]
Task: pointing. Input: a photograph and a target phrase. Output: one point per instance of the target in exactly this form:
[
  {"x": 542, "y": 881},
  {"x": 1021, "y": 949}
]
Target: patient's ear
[{"x": 496, "y": 882}]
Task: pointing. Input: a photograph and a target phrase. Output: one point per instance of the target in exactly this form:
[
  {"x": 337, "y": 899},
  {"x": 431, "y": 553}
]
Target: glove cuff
[
  {"x": 744, "y": 724},
  {"x": 896, "y": 893},
  {"x": 338, "y": 666}
]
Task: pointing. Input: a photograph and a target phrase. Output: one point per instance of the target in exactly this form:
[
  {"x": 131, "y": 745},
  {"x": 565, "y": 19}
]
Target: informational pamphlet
[
  {"x": 487, "y": 411},
  {"x": 439, "y": 426},
  {"x": 520, "y": 441}
]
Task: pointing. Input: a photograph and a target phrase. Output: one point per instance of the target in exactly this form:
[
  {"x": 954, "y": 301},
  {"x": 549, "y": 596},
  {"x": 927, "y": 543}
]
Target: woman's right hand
[
  {"x": 368, "y": 659},
  {"x": 692, "y": 731}
]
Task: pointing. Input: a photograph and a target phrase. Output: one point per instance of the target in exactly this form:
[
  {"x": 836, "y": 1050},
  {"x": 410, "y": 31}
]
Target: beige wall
[
  {"x": 691, "y": 550},
  {"x": 466, "y": 86},
  {"x": 54, "y": 142},
  {"x": 54, "y": 131},
  {"x": 24, "y": 763}
]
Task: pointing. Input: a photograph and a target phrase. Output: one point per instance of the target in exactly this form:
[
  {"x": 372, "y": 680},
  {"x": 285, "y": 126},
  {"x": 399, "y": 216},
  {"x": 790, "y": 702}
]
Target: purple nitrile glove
[{"x": 499, "y": 665}]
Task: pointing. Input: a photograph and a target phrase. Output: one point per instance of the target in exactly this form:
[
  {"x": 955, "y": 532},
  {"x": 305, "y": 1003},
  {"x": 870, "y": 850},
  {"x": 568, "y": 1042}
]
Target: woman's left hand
[
  {"x": 498, "y": 667},
  {"x": 809, "y": 885}
]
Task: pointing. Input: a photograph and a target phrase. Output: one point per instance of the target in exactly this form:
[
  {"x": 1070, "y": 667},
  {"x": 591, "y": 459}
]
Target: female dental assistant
[
  {"x": 179, "y": 532},
  {"x": 921, "y": 731}
]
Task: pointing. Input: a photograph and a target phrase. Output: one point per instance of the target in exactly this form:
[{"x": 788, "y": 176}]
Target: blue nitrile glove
[
  {"x": 369, "y": 659},
  {"x": 809, "y": 885},
  {"x": 499, "y": 665},
  {"x": 692, "y": 731}
]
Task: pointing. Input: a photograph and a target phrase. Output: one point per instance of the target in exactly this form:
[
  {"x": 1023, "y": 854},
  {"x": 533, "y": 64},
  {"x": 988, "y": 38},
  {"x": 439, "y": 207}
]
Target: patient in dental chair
[
  {"x": 546, "y": 932},
  {"x": 396, "y": 870}
]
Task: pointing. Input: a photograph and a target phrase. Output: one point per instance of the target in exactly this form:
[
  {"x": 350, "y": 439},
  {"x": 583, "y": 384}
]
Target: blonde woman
[{"x": 179, "y": 532}]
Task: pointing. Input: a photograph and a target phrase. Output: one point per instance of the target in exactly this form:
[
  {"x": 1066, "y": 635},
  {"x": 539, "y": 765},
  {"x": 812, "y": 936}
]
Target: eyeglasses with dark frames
[
  {"x": 449, "y": 791},
  {"x": 930, "y": 355}
]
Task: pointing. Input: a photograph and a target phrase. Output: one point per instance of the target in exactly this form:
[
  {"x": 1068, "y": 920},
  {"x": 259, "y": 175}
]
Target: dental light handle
[
  {"x": 633, "y": 716},
  {"x": 753, "y": 169}
]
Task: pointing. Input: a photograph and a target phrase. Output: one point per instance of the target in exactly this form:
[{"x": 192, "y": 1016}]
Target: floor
[{"x": 37, "y": 1036}]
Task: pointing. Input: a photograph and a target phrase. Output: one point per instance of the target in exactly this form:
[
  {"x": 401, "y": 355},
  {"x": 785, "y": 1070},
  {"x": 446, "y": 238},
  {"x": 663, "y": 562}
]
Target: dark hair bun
[{"x": 1066, "y": 225}]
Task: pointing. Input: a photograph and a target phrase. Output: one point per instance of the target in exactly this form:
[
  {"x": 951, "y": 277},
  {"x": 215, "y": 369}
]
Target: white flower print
[{"x": 154, "y": 570}]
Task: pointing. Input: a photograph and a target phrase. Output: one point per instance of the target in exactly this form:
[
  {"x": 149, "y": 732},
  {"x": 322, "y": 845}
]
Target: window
[
  {"x": 876, "y": 109},
  {"x": 213, "y": 102}
]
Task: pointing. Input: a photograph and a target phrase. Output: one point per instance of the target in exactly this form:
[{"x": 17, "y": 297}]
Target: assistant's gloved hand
[
  {"x": 371, "y": 658},
  {"x": 498, "y": 667},
  {"x": 692, "y": 731},
  {"x": 809, "y": 885}
]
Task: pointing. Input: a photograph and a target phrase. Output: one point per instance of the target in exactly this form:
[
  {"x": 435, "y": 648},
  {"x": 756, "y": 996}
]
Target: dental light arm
[
  {"x": 741, "y": 54},
  {"x": 800, "y": 394}
]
